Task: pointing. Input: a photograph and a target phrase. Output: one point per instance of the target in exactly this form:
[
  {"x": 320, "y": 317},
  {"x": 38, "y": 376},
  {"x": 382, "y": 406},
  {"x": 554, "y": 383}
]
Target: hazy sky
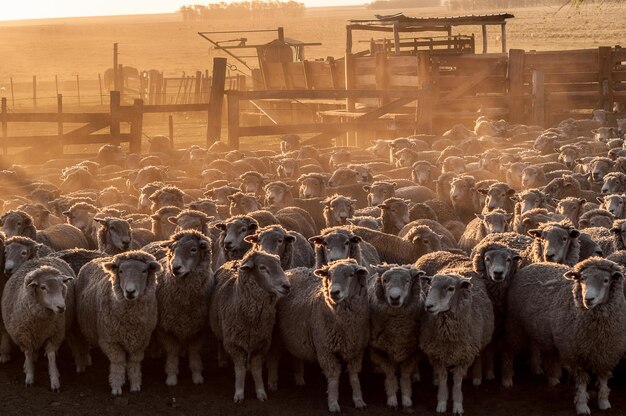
[{"x": 37, "y": 9}]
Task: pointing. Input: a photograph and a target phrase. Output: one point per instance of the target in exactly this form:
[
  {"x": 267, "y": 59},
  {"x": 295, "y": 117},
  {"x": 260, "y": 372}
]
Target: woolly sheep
[
  {"x": 18, "y": 250},
  {"x": 337, "y": 210},
  {"x": 432, "y": 263},
  {"x": 596, "y": 218},
  {"x": 116, "y": 309},
  {"x": 243, "y": 312},
  {"x": 242, "y": 204},
  {"x": 291, "y": 247},
  {"x": 394, "y": 215},
  {"x": 312, "y": 185},
  {"x": 325, "y": 319},
  {"x": 57, "y": 237},
  {"x": 337, "y": 243},
  {"x": 583, "y": 317},
  {"x": 232, "y": 238},
  {"x": 496, "y": 221}
]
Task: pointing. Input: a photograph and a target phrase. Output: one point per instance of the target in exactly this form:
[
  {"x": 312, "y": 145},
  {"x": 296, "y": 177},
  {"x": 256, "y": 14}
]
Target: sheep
[
  {"x": 618, "y": 230},
  {"x": 289, "y": 143},
  {"x": 498, "y": 196},
  {"x": 312, "y": 185},
  {"x": 220, "y": 194},
  {"x": 493, "y": 222},
  {"x": 242, "y": 204},
  {"x": 464, "y": 197},
  {"x": 599, "y": 167},
  {"x": 422, "y": 211},
  {"x": 76, "y": 258},
  {"x": 432, "y": 263},
  {"x": 395, "y": 305},
  {"x": 614, "y": 183},
  {"x": 556, "y": 242},
  {"x": 395, "y": 215},
  {"x": 596, "y": 218},
  {"x": 243, "y": 312},
  {"x": 114, "y": 235},
  {"x": 379, "y": 191},
  {"x": 252, "y": 182},
  {"x": 529, "y": 199},
  {"x": 42, "y": 217},
  {"x": 339, "y": 243},
  {"x": 291, "y": 247},
  {"x": 424, "y": 173},
  {"x": 116, "y": 309},
  {"x": 168, "y": 196},
  {"x": 447, "y": 237},
  {"x": 582, "y": 313},
  {"x": 18, "y": 250},
  {"x": 146, "y": 176},
  {"x": 426, "y": 240},
  {"x": 337, "y": 210},
  {"x": 78, "y": 180},
  {"x": 614, "y": 204},
  {"x": 571, "y": 208},
  {"x": 183, "y": 288},
  {"x": 567, "y": 186},
  {"x": 233, "y": 233},
  {"x": 326, "y": 319},
  {"x": 532, "y": 219},
  {"x": 367, "y": 222},
  {"x": 457, "y": 326}
]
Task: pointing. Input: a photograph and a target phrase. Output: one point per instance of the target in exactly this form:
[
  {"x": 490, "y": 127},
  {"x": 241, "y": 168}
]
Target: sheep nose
[
  {"x": 589, "y": 300},
  {"x": 498, "y": 276},
  {"x": 228, "y": 245},
  {"x": 605, "y": 191},
  {"x": 549, "y": 256},
  {"x": 286, "y": 286},
  {"x": 429, "y": 306},
  {"x": 335, "y": 293},
  {"x": 131, "y": 293},
  {"x": 60, "y": 309},
  {"x": 177, "y": 269}
]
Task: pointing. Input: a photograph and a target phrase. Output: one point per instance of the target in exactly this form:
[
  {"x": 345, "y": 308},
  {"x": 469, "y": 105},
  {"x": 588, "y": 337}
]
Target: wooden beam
[
  {"x": 426, "y": 104},
  {"x": 503, "y": 35},
  {"x": 396, "y": 39},
  {"x": 349, "y": 69},
  {"x": 605, "y": 75},
  {"x": 472, "y": 82},
  {"x": 326, "y": 94},
  {"x": 136, "y": 127},
  {"x": 516, "y": 85},
  {"x": 60, "y": 122},
  {"x": 233, "y": 120},
  {"x": 115, "y": 116},
  {"x": 539, "y": 99},
  {"x": 3, "y": 120},
  {"x": 485, "y": 43},
  {"x": 312, "y": 128},
  {"x": 214, "y": 122}
]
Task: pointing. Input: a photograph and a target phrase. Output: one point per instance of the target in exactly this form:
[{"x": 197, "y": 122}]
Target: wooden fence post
[
  {"x": 116, "y": 74},
  {"x": 539, "y": 98},
  {"x": 516, "y": 86},
  {"x": 3, "y": 119},
  {"x": 159, "y": 89},
  {"x": 12, "y": 94},
  {"x": 198, "y": 87},
  {"x": 100, "y": 85},
  {"x": 233, "y": 119},
  {"x": 35, "y": 91},
  {"x": 78, "y": 89},
  {"x": 428, "y": 99},
  {"x": 214, "y": 122},
  {"x": 115, "y": 117},
  {"x": 170, "y": 124},
  {"x": 605, "y": 77},
  {"x": 136, "y": 127},
  {"x": 60, "y": 122}
]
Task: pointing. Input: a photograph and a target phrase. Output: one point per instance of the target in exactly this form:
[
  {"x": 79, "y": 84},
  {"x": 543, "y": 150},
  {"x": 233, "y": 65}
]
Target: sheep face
[
  {"x": 500, "y": 264},
  {"x": 251, "y": 183},
  {"x": 423, "y": 173},
  {"x": 405, "y": 158},
  {"x": 461, "y": 189},
  {"x": 497, "y": 196},
  {"x": 161, "y": 224},
  {"x": 76, "y": 181},
  {"x": 147, "y": 175},
  {"x": 15, "y": 223},
  {"x": 595, "y": 284},
  {"x": 454, "y": 164},
  {"x": 187, "y": 252},
  {"x": 380, "y": 148},
  {"x": 395, "y": 213},
  {"x": 273, "y": 240},
  {"x": 379, "y": 191},
  {"x": 365, "y": 173},
  {"x": 312, "y": 186},
  {"x": 604, "y": 134},
  {"x": 131, "y": 277},
  {"x": 117, "y": 232},
  {"x": 614, "y": 204},
  {"x": 444, "y": 291},
  {"x": 604, "y": 220},
  {"x": 425, "y": 240},
  {"x": 276, "y": 194},
  {"x": 514, "y": 174},
  {"x": 167, "y": 197},
  {"x": 206, "y": 206},
  {"x": 532, "y": 177},
  {"x": 568, "y": 156},
  {"x": 39, "y": 214},
  {"x": 495, "y": 222},
  {"x": 287, "y": 168},
  {"x": 81, "y": 217},
  {"x": 289, "y": 143},
  {"x": 49, "y": 286},
  {"x": 529, "y": 200},
  {"x": 397, "y": 284},
  {"x": 339, "y": 157},
  {"x": 556, "y": 242},
  {"x": 17, "y": 252},
  {"x": 241, "y": 204},
  {"x": 570, "y": 208},
  {"x": 187, "y": 220},
  {"x": 144, "y": 196},
  {"x": 267, "y": 272},
  {"x": 343, "y": 177},
  {"x": 532, "y": 220},
  {"x": 233, "y": 234},
  {"x": 110, "y": 154},
  {"x": 599, "y": 168},
  {"x": 339, "y": 208},
  {"x": 221, "y": 194},
  {"x": 342, "y": 280},
  {"x": 614, "y": 183},
  {"x": 336, "y": 246}
]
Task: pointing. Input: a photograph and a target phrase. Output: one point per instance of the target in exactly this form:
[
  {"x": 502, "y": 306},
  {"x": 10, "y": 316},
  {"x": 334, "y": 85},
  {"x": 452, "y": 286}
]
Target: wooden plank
[
  {"x": 86, "y": 129},
  {"x": 54, "y": 117},
  {"x": 402, "y": 81},
  {"x": 565, "y": 78},
  {"x": 115, "y": 116},
  {"x": 619, "y": 76},
  {"x": 619, "y": 55},
  {"x": 365, "y": 81},
  {"x": 60, "y": 122},
  {"x": 539, "y": 99},
  {"x": 563, "y": 57},
  {"x": 605, "y": 65},
  {"x": 233, "y": 121},
  {"x": 136, "y": 126},
  {"x": 311, "y": 128},
  {"x": 490, "y": 84},
  {"x": 327, "y": 94},
  {"x": 516, "y": 84},
  {"x": 556, "y": 67},
  {"x": 214, "y": 120},
  {"x": 428, "y": 100},
  {"x": 471, "y": 83},
  {"x": 3, "y": 121},
  {"x": 175, "y": 108},
  {"x": 36, "y": 141}
]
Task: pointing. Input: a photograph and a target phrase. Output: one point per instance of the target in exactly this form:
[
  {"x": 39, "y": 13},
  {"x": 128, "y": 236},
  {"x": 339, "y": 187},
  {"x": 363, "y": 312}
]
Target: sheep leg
[
  {"x": 29, "y": 367},
  {"x": 581, "y": 399},
  {"x": 272, "y": 360},
  {"x": 354, "y": 368},
  {"x": 406, "y": 387},
  {"x": 53, "y": 370},
  {"x": 441, "y": 374},
  {"x": 298, "y": 371},
  {"x": 391, "y": 380},
  {"x": 172, "y": 361},
  {"x": 477, "y": 371},
  {"x": 554, "y": 371},
  {"x": 535, "y": 361},
  {"x": 134, "y": 370},
  {"x": 5, "y": 347},
  {"x": 489, "y": 361},
  {"x": 80, "y": 351},
  {"x": 195, "y": 361},
  {"x": 239, "y": 359},
  {"x": 603, "y": 391},
  {"x": 117, "y": 366},
  {"x": 457, "y": 393},
  {"x": 256, "y": 368},
  {"x": 222, "y": 356},
  {"x": 513, "y": 342},
  {"x": 332, "y": 370}
]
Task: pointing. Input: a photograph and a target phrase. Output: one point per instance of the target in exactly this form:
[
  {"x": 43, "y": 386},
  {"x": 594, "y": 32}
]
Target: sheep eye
[
  {"x": 564, "y": 238},
  {"x": 194, "y": 250},
  {"x": 450, "y": 289},
  {"x": 280, "y": 241},
  {"x": 426, "y": 242},
  {"x": 24, "y": 253},
  {"x": 43, "y": 287},
  {"x": 19, "y": 224},
  {"x": 487, "y": 259},
  {"x": 606, "y": 280}
]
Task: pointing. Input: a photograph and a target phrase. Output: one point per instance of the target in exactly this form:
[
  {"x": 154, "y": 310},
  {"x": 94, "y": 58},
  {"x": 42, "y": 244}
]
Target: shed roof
[{"x": 402, "y": 20}]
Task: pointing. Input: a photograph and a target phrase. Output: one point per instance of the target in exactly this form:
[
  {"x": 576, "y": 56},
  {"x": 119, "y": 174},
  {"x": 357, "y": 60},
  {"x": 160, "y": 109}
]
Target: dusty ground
[{"x": 88, "y": 394}]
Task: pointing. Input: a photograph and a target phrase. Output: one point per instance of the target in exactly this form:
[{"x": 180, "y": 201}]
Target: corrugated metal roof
[{"x": 434, "y": 21}]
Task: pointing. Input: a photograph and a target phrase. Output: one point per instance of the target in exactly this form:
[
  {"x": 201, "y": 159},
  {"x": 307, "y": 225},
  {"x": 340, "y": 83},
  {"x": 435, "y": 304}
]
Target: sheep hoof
[
  {"x": 582, "y": 409},
  {"x": 197, "y": 378},
  {"x": 171, "y": 380},
  {"x": 300, "y": 381},
  {"x": 457, "y": 408},
  {"x": 334, "y": 407},
  {"x": 359, "y": 403},
  {"x": 417, "y": 377},
  {"x": 553, "y": 381},
  {"x": 476, "y": 382},
  {"x": 442, "y": 407},
  {"x": 238, "y": 397},
  {"x": 407, "y": 402},
  {"x": 5, "y": 358},
  {"x": 272, "y": 386},
  {"x": 603, "y": 404},
  {"x": 55, "y": 385},
  {"x": 135, "y": 388},
  {"x": 507, "y": 382},
  {"x": 30, "y": 380},
  {"x": 116, "y": 391},
  {"x": 392, "y": 401},
  {"x": 80, "y": 369},
  {"x": 261, "y": 395}
]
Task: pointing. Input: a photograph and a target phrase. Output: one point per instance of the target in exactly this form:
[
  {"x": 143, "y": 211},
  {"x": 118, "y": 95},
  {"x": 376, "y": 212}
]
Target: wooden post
[
  {"x": 56, "y": 84},
  {"x": 116, "y": 75},
  {"x": 121, "y": 79},
  {"x": 281, "y": 34},
  {"x": 170, "y": 124},
  {"x": 539, "y": 98},
  {"x": 158, "y": 89},
  {"x": 164, "y": 90},
  {"x": 396, "y": 38},
  {"x": 349, "y": 64},
  {"x": 100, "y": 85},
  {"x": 198, "y": 86},
  {"x": 136, "y": 127},
  {"x": 12, "y": 94},
  {"x": 516, "y": 86},
  {"x": 503, "y": 28},
  {"x": 382, "y": 77},
  {"x": 60, "y": 122},
  {"x": 78, "y": 89},
  {"x": 115, "y": 117},
  {"x": 485, "y": 45},
  {"x": 35, "y": 91},
  {"x": 214, "y": 122},
  {"x": 151, "y": 90},
  {"x": 605, "y": 75},
  {"x": 449, "y": 37},
  {"x": 427, "y": 101},
  {"x": 233, "y": 119},
  {"x": 3, "y": 119}
]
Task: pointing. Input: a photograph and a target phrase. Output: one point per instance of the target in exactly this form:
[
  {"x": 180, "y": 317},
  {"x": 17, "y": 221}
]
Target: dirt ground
[{"x": 88, "y": 394}]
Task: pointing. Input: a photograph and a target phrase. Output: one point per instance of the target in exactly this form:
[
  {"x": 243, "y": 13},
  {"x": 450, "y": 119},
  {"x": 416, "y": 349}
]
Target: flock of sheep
[{"x": 462, "y": 251}]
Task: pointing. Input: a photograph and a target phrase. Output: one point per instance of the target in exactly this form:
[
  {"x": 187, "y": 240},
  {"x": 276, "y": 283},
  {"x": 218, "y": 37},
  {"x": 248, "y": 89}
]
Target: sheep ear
[
  {"x": 167, "y": 244},
  {"x": 416, "y": 273},
  {"x": 380, "y": 268},
  {"x": 465, "y": 284},
  {"x": 483, "y": 191},
  {"x": 574, "y": 233},
  {"x": 362, "y": 274},
  {"x": 356, "y": 239},
  {"x": 173, "y": 220},
  {"x": 204, "y": 244},
  {"x": 317, "y": 239},
  {"x": 572, "y": 275},
  {"x": 221, "y": 226},
  {"x": 154, "y": 267},
  {"x": 600, "y": 199},
  {"x": 480, "y": 216},
  {"x": 536, "y": 233},
  {"x": 615, "y": 230},
  {"x": 383, "y": 206},
  {"x": 510, "y": 192},
  {"x": 67, "y": 279},
  {"x": 321, "y": 273},
  {"x": 517, "y": 258},
  {"x": 427, "y": 280},
  {"x": 253, "y": 227},
  {"x": 110, "y": 266},
  {"x": 367, "y": 188},
  {"x": 100, "y": 220},
  {"x": 290, "y": 239},
  {"x": 617, "y": 276},
  {"x": 252, "y": 238}
]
